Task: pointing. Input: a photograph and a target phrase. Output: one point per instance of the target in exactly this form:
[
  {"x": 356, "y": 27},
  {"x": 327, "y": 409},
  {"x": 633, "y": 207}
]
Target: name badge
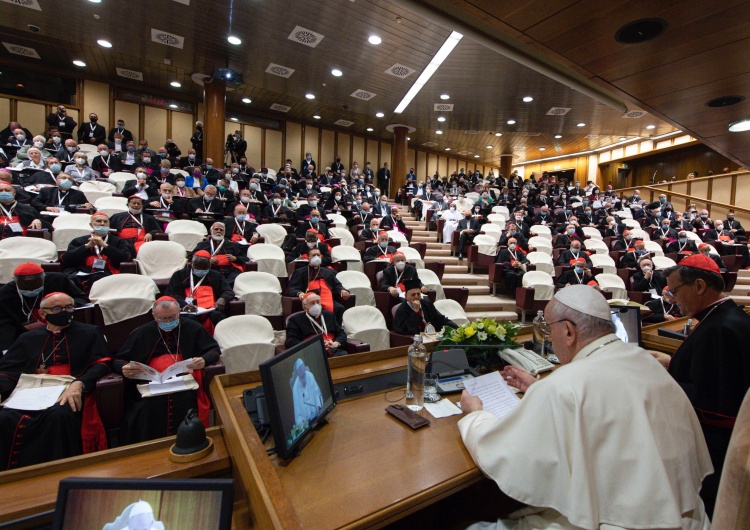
[
  {"x": 15, "y": 227},
  {"x": 62, "y": 124},
  {"x": 91, "y": 134},
  {"x": 189, "y": 300},
  {"x": 99, "y": 264}
]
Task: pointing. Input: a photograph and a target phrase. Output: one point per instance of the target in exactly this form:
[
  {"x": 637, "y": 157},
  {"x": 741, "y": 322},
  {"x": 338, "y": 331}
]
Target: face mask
[
  {"x": 467, "y": 216},
  {"x": 682, "y": 240},
  {"x": 56, "y": 139},
  {"x": 730, "y": 218},
  {"x": 512, "y": 232},
  {"x": 453, "y": 208},
  {"x": 720, "y": 227},
  {"x": 276, "y": 202},
  {"x": 282, "y": 186},
  {"x": 253, "y": 186},
  {"x": 639, "y": 252},
  {"x": 704, "y": 217},
  {"x": 142, "y": 177},
  {"x": 180, "y": 183},
  {"x": 162, "y": 155},
  {"x": 66, "y": 184},
  {"x": 579, "y": 270},
  {"x": 166, "y": 195},
  {"x": 575, "y": 250},
  {"x": 662, "y": 200},
  {"x": 200, "y": 273},
  {"x": 169, "y": 326},
  {"x": 131, "y": 149},
  {"x": 94, "y": 120},
  {"x": 309, "y": 187},
  {"x": 20, "y": 137},
  {"x": 135, "y": 211},
  {"x": 101, "y": 230},
  {"x": 146, "y": 159},
  {"x": 571, "y": 231},
  {"x": 164, "y": 171},
  {"x": 585, "y": 203},
  {"x": 543, "y": 214},
  {"x": 103, "y": 152},
  {"x": 245, "y": 199},
  {"x": 314, "y": 220},
  {"x": 71, "y": 149},
  {"x": 383, "y": 244},
  {"x": 512, "y": 246},
  {"x": 30, "y": 294},
  {"x": 646, "y": 268},
  {"x": 315, "y": 310},
  {"x": 315, "y": 261},
  {"x": 222, "y": 188},
  {"x": 209, "y": 166},
  {"x": 6, "y": 196},
  {"x": 61, "y": 319},
  {"x": 191, "y": 157},
  {"x": 235, "y": 170},
  {"x": 400, "y": 265},
  {"x": 338, "y": 197},
  {"x": 80, "y": 161},
  {"x": 208, "y": 197},
  {"x": 308, "y": 158},
  {"x": 38, "y": 145},
  {"x": 588, "y": 212},
  {"x": 313, "y": 203},
  {"x": 627, "y": 238},
  {"x": 120, "y": 127},
  {"x": 376, "y": 194}
]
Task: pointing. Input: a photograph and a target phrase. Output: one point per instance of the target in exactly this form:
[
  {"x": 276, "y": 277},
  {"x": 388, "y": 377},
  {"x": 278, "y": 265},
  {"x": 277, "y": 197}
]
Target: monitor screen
[
  {"x": 627, "y": 321},
  {"x": 298, "y": 391},
  {"x": 199, "y": 504}
]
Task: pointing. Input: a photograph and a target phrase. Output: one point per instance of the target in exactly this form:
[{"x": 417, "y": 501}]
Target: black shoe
[{"x": 460, "y": 256}]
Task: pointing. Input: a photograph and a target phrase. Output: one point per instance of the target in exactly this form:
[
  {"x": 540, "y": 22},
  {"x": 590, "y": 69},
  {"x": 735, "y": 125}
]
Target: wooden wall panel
[
  {"x": 312, "y": 146},
  {"x": 358, "y": 152},
  {"x": 254, "y": 138},
  {"x": 129, "y": 112},
  {"x": 344, "y": 147},
  {"x": 31, "y": 116},
  {"x": 273, "y": 156},
  {"x": 96, "y": 99},
  {"x": 721, "y": 189},
  {"x": 371, "y": 154},
  {"x": 411, "y": 158},
  {"x": 155, "y": 127},
  {"x": 442, "y": 166},
  {"x": 4, "y": 115},
  {"x": 452, "y": 166},
  {"x": 327, "y": 154},
  {"x": 385, "y": 155},
  {"x": 432, "y": 164},
  {"x": 293, "y": 145},
  {"x": 182, "y": 130},
  {"x": 421, "y": 168},
  {"x": 229, "y": 128}
]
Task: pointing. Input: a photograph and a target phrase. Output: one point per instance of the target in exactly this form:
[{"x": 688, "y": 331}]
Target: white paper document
[
  {"x": 35, "y": 398},
  {"x": 442, "y": 408},
  {"x": 175, "y": 385},
  {"x": 151, "y": 374},
  {"x": 200, "y": 311},
  {"x": 496, "y": 395}
]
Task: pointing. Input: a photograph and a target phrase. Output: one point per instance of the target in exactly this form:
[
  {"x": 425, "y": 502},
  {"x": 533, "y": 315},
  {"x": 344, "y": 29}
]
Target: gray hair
[{"x": 166, "y": 304}]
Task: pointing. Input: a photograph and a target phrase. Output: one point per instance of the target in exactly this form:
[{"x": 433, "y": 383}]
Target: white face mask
[
  {"x": 180, "y": 183},
  {"x": 512, "y": 246},
  {"x": 315, "y": 261},
  {"x": 400, "y": 265},
  {"x": 56, "y": 139},
  {"x": 80, "y": 161},
  {"x": 315, "y": 310},
  {"x": 103, "y": 152},
  {"x": 38, "y": 145}
]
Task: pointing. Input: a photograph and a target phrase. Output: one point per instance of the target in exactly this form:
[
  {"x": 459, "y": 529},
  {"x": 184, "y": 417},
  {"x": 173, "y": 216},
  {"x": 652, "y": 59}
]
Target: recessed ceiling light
[
  {"x": 336, "y": 72},
  {"x": 310, "y": 96},
  {"x": 641, "y": 30},
  {"x": 528, "y": 99},
  {"x": 176, "y": 84},
  {"x": 316, "y": 117},
  {"x": 651, "y": 127},
  {"x": 444, "y": 96},
  {"x": 233, "y": 119},
  {"x": 370, "y": 129},
  {"x": 95, "y": 1},
  {"x": 172, "y": 106},
  {"x": 476, "y": 156},
  {"x": 558, "y": 136},
  {"x": 438, "y": 132},
  {"x": 104, "y": 43},
  {"x": 580, "y": 124},
  {"x": 379, "y": 115},
  {"x": 498, "y": 134},
  {"x": 408, "y": 138},
  {"x": 739, "y": 126},
  {"x": 79, "y": 63},
  {"x": 441, "y": 119},
  {"x": 542, "y": 148},
  {"x": 623, "y": 138},
  {"x": 246, "y": 100},
  {"x": 374, "y": 39},
  {"x": 725, "y": 101},
  {"x": 447, "y": 148},
  {"x": 234, "y": 40},
  {"x": 511, "y": 122},
  {"x": 489, "y": 147}
]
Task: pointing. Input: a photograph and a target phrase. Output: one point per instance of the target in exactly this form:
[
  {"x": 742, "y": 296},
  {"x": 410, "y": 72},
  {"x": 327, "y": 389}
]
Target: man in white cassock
[
  {"x": 605, "y": 441},
  {"x": 308, "y": 400}
]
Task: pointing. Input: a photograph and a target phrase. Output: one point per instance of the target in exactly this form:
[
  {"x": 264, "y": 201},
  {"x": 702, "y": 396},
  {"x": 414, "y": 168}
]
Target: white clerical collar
[{"x": 595, "y": 345}]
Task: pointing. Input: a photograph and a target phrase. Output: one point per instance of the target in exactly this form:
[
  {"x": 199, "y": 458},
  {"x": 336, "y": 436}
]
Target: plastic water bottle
[
  {"x": 415, "y": 375},
  {"x": 688, "y": 327},
  {"x": 538, "y": 334}
]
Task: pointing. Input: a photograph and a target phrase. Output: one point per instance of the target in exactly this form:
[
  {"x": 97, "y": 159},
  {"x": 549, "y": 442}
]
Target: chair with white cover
[
  {"x": 358, "y": 284},
  {"x": 493, "y": 230},
  {"x": 625, "y": 213},
  {"x": 452, "y": 310},
  {"x": 473, "y": 196},
  {"x": 270, "y": 259},
  {"x": 325, "y": 189},
  {"x": 245, "y": 342},
  {"x": 654, "y": 248},
  {"x": 592, "y": 232},
  {"x": 120, "y": 178},
  {"x": 496, "y": 219},
  {"x": 68, "y": 227},
  {"x": 367, "y": 324},
  {"x": 542, "y": 261},
  {"x": 612, "y": 283},
  {"x": 17, "y": 250},
  {"x": 541, "y": 282},
  {"x": 186, "y": 232},
  {"x": 94, "y": 189},
  {"x": 272, "y": 234},
  {"x": 596, "y": 246},
  {"x": 541, "y": 244},
  {"x": 502, "y": 210},
  {"x": 413, "y": 255},
  {"x": 349, "y": 255},
  {"x": 640, "y": 233},
  {"x": 631, "y": 224},
  {"x": 178, "y": 172},
  {"x": 123, "y": 296},
  {"x": 89, "y": 149},
  {"x": 337, "y": 220},
  {"x": 343, "y": 235},
  {"x": 111, "y": 205},
  {"x": 431, "y": 281},
  {"x": 693, "y": 237},
  {"x": 260, "y": 291},
  {"x": 397, "y": 237},
  {"x": 604, "y": 262},
  {"x": 486, "y": 244},
  {"x": 662, "y": 262},
  {"x": 160, "y": 259},
  {"x": 541, "y": 231}
]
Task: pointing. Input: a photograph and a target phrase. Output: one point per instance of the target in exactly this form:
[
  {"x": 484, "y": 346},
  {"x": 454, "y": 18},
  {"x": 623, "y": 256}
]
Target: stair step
[
  {"x": 437, "y": 253},
  {"x": 456, "y": 269},
  {"x": 740, "y": 290},
  {"x": 511, "y": 316},
  {"x": 450, "y": 278},
  {"x": 423, "y": 239},
  {"x": 474, "y": 290},
  {"x": 430, "y": 257},
  {"x": 478, "y": 302},
  {"x": 742, "y": 274},
  {"x": 423, "y": 233}
]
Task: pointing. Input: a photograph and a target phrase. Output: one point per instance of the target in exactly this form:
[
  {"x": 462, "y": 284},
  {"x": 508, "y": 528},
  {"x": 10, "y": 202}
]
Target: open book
[
  {"x": 152, "y": 374},
  {"x": 165, "y": 382}
]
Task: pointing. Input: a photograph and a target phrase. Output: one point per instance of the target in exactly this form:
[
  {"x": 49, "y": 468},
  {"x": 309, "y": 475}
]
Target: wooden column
[
  {"x": 398, "y": 159},
  {"x": 506, "y": 165},
  {"x": 214, "y": 99}
]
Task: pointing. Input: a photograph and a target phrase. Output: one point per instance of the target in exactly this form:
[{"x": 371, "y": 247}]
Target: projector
[{"x": 228, "y": 75}]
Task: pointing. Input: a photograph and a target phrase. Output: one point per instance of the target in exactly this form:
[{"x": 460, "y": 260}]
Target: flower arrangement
[{"x": 481, "y": 338}]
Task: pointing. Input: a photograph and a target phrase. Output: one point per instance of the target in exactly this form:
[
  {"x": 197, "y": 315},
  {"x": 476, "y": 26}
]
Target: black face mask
[{"x": 60, "y": 319}]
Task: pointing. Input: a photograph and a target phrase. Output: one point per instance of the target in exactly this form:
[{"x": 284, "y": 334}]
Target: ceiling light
[
  {"x": 489, "y": 147},
  {"x": 374, "y": 39},
  {"x": 580, "y": 124},
  {"x": 622, "y": 138},
  {"x": 498, "y": 134},
  {"x": 233, "y": 119},
  {"x": 246, "y": 100},
  {"x": 725, "y": 101},
  {"x": 444, "y": 96},
  {"x": 79, "y": 63},
  {"x": 511, "y": 122},
  {"x": 408, "y": 138},
  {"x": 316, "y": 117},
  {"x": 438, "y": 132},
  {"x": 104, "y": 43},
  {"x": 379, "y": 115},
  {"x": 336, "y": 72},
  {"x": 370, "y": 129},
  {"x": 558, "y": 136},
  {"x": 476, "y": 156},
  {"x": 172, "y": 106},
  {"x": 542, "y": 148},
  {"x": 310, "y": 96},
  {"x": 739, "y": 126},
  {"x": 441, "y": 119},
  {"x": 234, "y": 40},
  {"x": 641, "y": 30},
  {"x": 95, "y": 1},
  {"x": 442, "y": 54},
  {"x": 447, "y": 148},
  {"x": 528, "y": 99},
  {"x": 651, "y": 127},
  {"x": 176, "y": 84}
]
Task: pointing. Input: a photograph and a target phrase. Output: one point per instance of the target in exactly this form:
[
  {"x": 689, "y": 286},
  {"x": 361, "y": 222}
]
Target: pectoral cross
[{"x": 42, "y": 369}]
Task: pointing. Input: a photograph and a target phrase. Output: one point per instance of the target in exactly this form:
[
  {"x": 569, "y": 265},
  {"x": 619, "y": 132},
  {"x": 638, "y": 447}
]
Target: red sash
[
  {"x": 579, "y": 255},
  {"x": 90, "y": 263},
  {"x": 93, "y": 435},
  {"x": 204, "y": 297},
  {"x": 224, "y": 262},
  {"x": 237, "y": 237},
  {"x": 326, "y": 296},
  {"x": 162, "y": 362},
  {"x": 725, "y": 238},
  {"x": 326, "y": 338},
  {"x": 136, "y": 234}
]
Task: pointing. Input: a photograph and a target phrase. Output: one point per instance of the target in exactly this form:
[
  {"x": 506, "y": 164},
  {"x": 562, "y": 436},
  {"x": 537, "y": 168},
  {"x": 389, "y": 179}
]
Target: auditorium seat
[
  {"x": 592, "y": 232},
  {"x": 603, "y": 262},
  {"x": 540, "y": 244},
  {"x": 17, "y": 250},
  {"x": 68, "y": 227},
  {"x": 482, "y": 252},
  {"x": 541, "y": 231},
  {"x": 413, "y": 256},
  {"x": 493, "y": 230},
  {"x": 259, "y": 293},
  {"x": 351, "y": 346},
  {"x": 269, "y": 257},
  {"x": 596, "y": 246},
  {"x": 452, "y": 310},
  {"x": 612, "y": 283},
  {"x": 272, "y": 233},
  {"x": 496, "y": 219},
  {"x": 186, "y": 232},
  {"x": 536, "y": 290},
  {"x": 120, "y": 178},
  {"x": 349, "y": 257},
  {"x": 95, "y": 190},
  {"x": 430, "y": 280},
  {"x": 542, "y": 262},
  {"x": 245, "y": 342},
  {"x": 344, "y": 236},
  {"x": 366, "y": 324},
  {"x": 358, "y": 284},
  {"x": 111, "y": 205},
  {"x": 398, "y": 237}
]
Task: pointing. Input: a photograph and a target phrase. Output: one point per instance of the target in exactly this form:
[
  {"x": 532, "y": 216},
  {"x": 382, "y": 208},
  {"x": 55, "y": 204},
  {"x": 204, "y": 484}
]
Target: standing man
[
  {"x": 125, "y": 135},
  {"x": 92, "y": 133},
  {"x": 384, "y": 179},
  {"x": 197, "y": 140},
  {"x": 64, "y": 123}
]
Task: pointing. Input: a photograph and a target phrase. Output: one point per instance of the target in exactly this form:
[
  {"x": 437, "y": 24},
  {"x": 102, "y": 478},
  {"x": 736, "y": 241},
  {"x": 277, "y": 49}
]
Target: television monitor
[
  {"x": 299, "y": 393},
  {"x": 204, "y": 504},
  {"x": 627, "y": 320}
]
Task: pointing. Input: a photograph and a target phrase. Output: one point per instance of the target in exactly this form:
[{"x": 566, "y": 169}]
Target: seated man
[
  {"x": 276, "y": 212},
  {"x": 663, "y": 308},
  {"x": 197, "y": 286},
  {"x": 141, "y": 186},
  {"x": 105, "y": 163},
  {"x": 135, "y": 226},
  {"x": 241, "y": 228},
  {"x": 579, "y": 274},
  {"x": 682, "y": 245},
  {"x": 381, "y": 250},
  {"x": 397, "y": 274},
  {"x": 302, "y": 250},
  {"x": 67, "y": 428},
  {"x": 393, "y": 221},
  {"x": 566, "y": 236},
  {"x": 314, "y": 223},
  {"x": 17, "y": 218},
  {"x": 315, "y": 321},
  {"x": 468, "y": 228},
  {"x": 227, "y": 257},
  {"x": 207, "y": 203},
  {"x": 705, "y": 249},
  {"x": 647, "y": 279},
  {"x": 630, "y": 411},
  {"x": 165, "y": 203},
  {"x": 417, "y": 314},
  {"x": 624, "y": 243},
  {"x": 729, "y": 243},
  {"x": 514, "y": 261},
  {"x": 323, "y": 281},
  {"x": 568, "y": 257},
  {"x": 632, "y": 257},
  {"x": 160, "y": 344},
  {"x": 61, "y": 197},
  {"x": 20, "y": 299},
  {"x": 371, "y": 233},
  {"x": 95, "y": 256}
]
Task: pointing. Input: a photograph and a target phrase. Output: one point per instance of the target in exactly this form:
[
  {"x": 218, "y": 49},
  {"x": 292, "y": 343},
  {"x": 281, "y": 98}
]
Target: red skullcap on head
[
  {"x": 702, "y": 262},
  {"x": 666, "y": 288},
  {"x": 135, "y": 197},
  {"x": 202, "y": 254},
  {"x": 625, "y": 232},
  {"x": 580, "y": 260},
  {"x": 702, "y": 245},
  {"x": 398, "y": 253},
  {"x": 312, "y": 231},
  {"x": 307, "y": 294},
  {"x": 382, "y": 233},
  {"x": 54, "y": 294},
  {"x": 28, "y": 269},
  {"x": 165, "y": 299},
  {"x": 100, "y": 214}
]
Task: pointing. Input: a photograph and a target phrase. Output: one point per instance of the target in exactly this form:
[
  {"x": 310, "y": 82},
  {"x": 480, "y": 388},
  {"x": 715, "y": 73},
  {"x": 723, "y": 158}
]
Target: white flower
[
  {"x": 482, "y": 335},
  {"x": 480, "y": 326}
]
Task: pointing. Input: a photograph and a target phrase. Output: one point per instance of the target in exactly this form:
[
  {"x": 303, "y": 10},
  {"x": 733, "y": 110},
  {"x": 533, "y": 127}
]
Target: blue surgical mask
[
  {"x": 313, "y": 203},
  {"x": 200, "y": 273},
  {"x": 55, "y": 168},
  {"x": 571, "y": 231},
  {"x": 567, "y": 211},
  {"x": 164, "y": 170},
  {"x": 6, "y": 196},
  {"x": 383, "y": 244},
  {"x": 101, "y": 230},
  {"x": 162, "y": 155},
  {"x": 241, "y": 217},
  {"x": 209, "y": 166},
  {"x": 579, "y": 270},
  {"x": 66, "y": 184},
  {"x": 314, "y": 220},
  {"x": 31, "y": 294},
  {"x": 169, "y": 326}
]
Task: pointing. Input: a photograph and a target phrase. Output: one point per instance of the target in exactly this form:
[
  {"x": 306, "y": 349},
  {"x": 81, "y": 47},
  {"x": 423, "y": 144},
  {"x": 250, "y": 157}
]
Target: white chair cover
[
  {"x": 493, "y": 230},
  {"x": 160, "y": 259},
  {"x": 486, "y": 244},
  {"x": 496, "y": 219},
  {"x": 111, "y": 205},
  {"x": 325, "y": 189},
  {"x": 350, "y": 255},
  {"x": 543, "y": 262},
  {"x": 605, "y": 262},
  {"x": 367, "y": 324},
  {"x": 68, "y": 227},
  {"x": 187, "y": 233},
  {"x": 625, "y": 213},
  {"x": 473, "y": 196},
  {"x": 502, "y": 210},
  {"x": 596, "y": 245},
  {"x": 541, "y": 244},
  {"x": 431, "y": 280},
  {"x": 17, "y": 250},
  {"x": 272, "y": 234},
  {"x": 120, "y": 178},
  {"x": 631, "y": 224},
  {"x": 269, "y": 258},
  {"x": 95, "y": 190},
  {"x": 87, "y": 148},
  {"x": 245, "y": 342},
  {"x": 612, "y": 283},
  {"x": 452, "y": 310},
  {"x": 541, "y": 282},
  {"x": 694, "y": 237},
  {"x": 123, "y": 296},
  {"x": 346, "y": 237},
  {"x": 590, "y": 231},
  {"x": 175, "y": 171},
  {"x": 662, "y": 262},
  {"x": 359, "y": 285},
  {"x": 260, "y": 291},
  {"x": 413, "y": 255},
  {"x": 541, "y": 231},
  {"x": 654, "y": 248},
  {"x": 397, "y": 237},
  {"x": 641, "y": 233},
  {"x": 337, "y": 220}
]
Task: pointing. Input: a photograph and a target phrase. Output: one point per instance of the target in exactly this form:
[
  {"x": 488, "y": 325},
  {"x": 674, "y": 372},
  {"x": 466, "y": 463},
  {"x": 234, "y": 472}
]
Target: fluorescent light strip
[{"x": 442, "y": 54}]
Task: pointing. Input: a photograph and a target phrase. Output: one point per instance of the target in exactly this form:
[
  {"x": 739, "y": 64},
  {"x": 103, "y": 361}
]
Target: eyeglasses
[
  {"x": 547, "y": 326},
  {"x": 671, "y": 293},
  {"x": 55, "y": 310}
]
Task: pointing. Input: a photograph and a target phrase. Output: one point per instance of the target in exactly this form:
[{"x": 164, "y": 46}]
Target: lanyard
[
  {"x": 664, "y": 308},
  {"x": 139, "y": 223},
  {"x": 205, "y": 207},
  {"x": 274, "y": 211},
  {"x": 317, "y": 327},
  {"x": 27, "y": 314},
  {"x": 106, "y": 162},
  {"x": 8, "y": 213},
  {"x": 96, "y": 248},
  {"x": 61, "y": 197},
  {"x": 513, "y": 254},
  {"x": 165, "y": 205},
  {"x": 213, "y": 252},
  {"x": 193, "y": 286},
  {"x": 241, "y": 228}
]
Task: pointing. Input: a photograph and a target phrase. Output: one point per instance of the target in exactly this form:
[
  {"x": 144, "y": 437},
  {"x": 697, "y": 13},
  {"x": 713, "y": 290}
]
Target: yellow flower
[
  {"x": 491, "y": 329},
  {"x": 469, "y": 331}
]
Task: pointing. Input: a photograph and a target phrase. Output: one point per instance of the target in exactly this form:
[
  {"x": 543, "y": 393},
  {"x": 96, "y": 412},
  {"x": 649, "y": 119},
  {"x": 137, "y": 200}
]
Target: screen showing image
[{"x": 627, "y": 322}]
